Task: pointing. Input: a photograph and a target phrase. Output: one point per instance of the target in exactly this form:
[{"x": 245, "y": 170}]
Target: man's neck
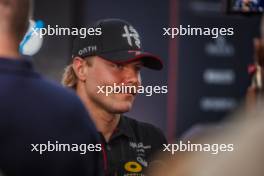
[
  {"x": 8, "y": 47},
  {"x": 104, "y": 121}
]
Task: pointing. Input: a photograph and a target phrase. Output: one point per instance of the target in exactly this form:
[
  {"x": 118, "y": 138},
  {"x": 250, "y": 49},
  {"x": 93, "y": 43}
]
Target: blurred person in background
[
  {"x": 249, "y": 5},
  {"x": 254, "y": 92},
  {"x": 34, "y": 110},
  {"x": 256, "y": 71},
  {"x": 115, "y": 56},
  {"x": 244, "y": 130}
]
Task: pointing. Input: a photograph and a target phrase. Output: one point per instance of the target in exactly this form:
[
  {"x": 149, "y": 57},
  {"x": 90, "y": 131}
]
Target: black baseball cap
[{"x": 119, "y": 42}]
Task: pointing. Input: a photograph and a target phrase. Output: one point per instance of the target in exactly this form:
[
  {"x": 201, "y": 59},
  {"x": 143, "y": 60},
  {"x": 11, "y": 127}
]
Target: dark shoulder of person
[
  {"x": 67, "y": 107},
  {"x": 36, "y": 111}
]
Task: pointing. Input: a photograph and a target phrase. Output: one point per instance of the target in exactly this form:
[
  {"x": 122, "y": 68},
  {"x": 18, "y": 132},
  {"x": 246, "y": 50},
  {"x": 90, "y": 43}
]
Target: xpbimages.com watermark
[
  {"x": 191, "y": 147},
  {"x": 188, "y": 30},
  {"x": 130, "y": 89},
  {"x": 59, "y": 147},
  {"x": 65, "y": 31}
]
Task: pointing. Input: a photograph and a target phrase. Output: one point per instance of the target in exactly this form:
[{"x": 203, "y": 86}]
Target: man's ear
[{"x": 79, "y": 67}]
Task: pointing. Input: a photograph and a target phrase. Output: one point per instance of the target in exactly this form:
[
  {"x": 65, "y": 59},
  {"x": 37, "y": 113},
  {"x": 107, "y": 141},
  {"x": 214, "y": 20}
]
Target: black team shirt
[{"x": 131, "y": 148}]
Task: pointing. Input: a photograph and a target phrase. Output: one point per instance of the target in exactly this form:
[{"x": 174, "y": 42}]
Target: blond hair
[{"x": 69, "y": 77}]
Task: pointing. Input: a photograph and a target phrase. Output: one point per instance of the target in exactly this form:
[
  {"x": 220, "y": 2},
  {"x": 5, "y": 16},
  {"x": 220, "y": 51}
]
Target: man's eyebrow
[{"x": 139, "y": 63}]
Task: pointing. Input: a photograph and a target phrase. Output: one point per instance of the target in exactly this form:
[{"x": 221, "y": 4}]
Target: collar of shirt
[
  {"x": 123, "y": 128},
  {"x": 8, "y": 64}
]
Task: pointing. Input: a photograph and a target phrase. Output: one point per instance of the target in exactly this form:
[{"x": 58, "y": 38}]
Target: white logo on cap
[
  {"x": 130, "y": 33},
  {"x": 87, "y": 49}
]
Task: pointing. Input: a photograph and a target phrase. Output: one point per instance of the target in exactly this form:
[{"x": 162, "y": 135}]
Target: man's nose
[{"x": 131, "y": 76}]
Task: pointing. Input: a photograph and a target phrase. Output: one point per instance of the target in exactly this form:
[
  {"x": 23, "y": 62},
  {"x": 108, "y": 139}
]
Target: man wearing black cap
[
  {"x": 35, "y": 111},
  {"x": 115, "y": 57}
]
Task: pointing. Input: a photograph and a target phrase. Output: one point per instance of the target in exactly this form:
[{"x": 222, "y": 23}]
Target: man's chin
[{"x": 123, "y": 108}]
